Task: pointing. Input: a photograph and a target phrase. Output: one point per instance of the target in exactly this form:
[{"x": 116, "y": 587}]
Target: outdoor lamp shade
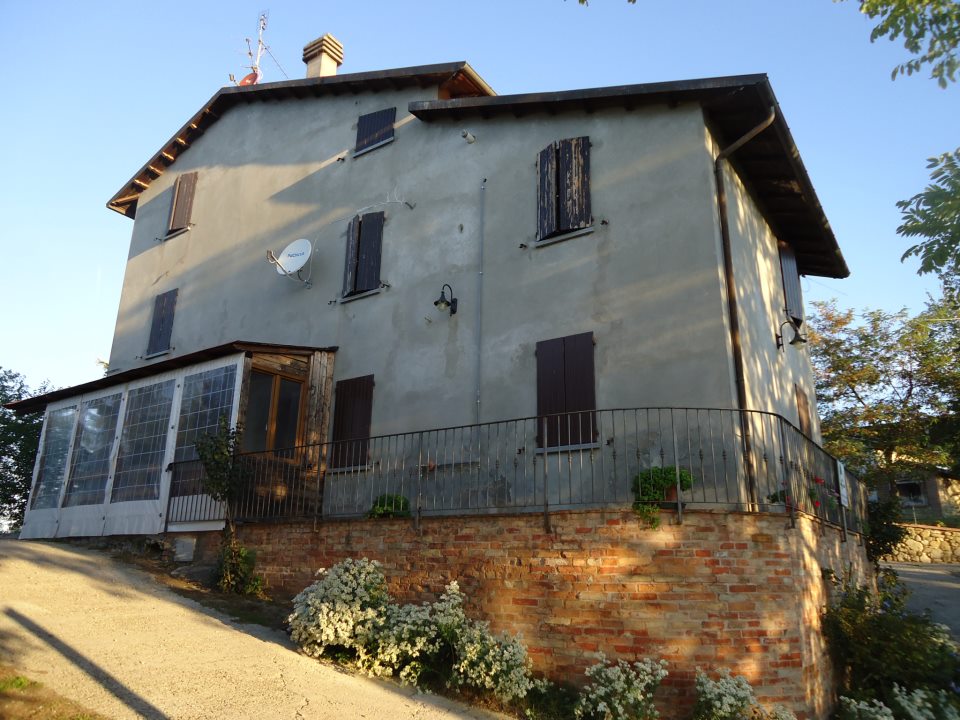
[{"x": 441, "y": 303}]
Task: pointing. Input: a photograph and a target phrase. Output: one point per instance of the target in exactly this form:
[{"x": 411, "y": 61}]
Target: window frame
[{"x": 271, "y": 430}]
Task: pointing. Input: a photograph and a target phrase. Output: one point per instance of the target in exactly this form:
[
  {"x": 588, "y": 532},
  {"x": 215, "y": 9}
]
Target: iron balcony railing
[{"x": 722, "y": 459}]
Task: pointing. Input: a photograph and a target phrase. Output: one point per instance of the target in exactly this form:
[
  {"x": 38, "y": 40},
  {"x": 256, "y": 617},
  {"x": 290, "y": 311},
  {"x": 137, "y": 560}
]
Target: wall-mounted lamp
[
  {"x": 798, "y": 339},
  {"x": 442, "y": 303},
  {"x": 468, "y": 136}
]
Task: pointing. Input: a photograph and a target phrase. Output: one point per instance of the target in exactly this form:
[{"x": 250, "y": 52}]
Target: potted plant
[
  {"x": 390, "y": 506},
  {"x": 655, "y": 488}
]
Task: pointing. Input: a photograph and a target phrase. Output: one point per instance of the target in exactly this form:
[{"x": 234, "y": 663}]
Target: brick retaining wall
[
  {"x": 733, "y": 590},
  {"x": 928, "y": 544}
]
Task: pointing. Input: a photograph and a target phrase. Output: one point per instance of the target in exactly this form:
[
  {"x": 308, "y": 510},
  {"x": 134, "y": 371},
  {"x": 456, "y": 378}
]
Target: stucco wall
[
  {"x": 646, "y": 281},
  {"x": 734, "y": 590},
  {"x": 770, "y": 374}
]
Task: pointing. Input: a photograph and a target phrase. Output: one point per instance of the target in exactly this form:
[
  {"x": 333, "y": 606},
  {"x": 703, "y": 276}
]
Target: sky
[{"x": 92, "y": 91}]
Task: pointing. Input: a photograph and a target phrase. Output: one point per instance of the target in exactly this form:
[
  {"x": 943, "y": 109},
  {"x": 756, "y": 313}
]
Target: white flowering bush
[
  {"x": 621, "y": 690},
  {"x": 340, "y": 609},
  {"x": 918, "y": 704},
  {"x": 731, "y": 698},
  {"x": 349, "y": 607}
]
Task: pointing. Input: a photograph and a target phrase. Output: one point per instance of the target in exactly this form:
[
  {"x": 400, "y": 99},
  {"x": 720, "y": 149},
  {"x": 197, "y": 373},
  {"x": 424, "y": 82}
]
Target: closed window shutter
[
  {"x": 803, "y": 411},
  {"x": 792, "y": 296},
  {"x": 375, "y": 129},
  {"x": 162, "y": 326},
  {"x": 579, "y": 383},
  {"x": 182, "y": 208},
  {"x": 352, "y": 414},
  {"x": 547, "y": 193},
  {"x": 551, "y": 392},
  {"x": 573, "y": 181},
  {"x": 368, "y": 263},
  {"x": 353, "y": 250}
]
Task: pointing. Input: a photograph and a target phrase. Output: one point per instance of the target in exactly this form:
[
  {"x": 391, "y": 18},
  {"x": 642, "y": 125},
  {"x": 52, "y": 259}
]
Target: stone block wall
[
  {"x": 929, "y": 544},
  {"x": 722, "y": 589}
]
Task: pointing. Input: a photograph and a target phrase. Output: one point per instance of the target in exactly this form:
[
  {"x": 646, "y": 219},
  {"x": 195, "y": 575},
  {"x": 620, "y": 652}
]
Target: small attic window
[{"x": 375, "y": 129}]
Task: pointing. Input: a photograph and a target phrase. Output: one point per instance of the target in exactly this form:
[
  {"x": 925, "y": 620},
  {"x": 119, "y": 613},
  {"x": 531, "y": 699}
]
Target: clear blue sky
[{"x": 92, "y": 90}]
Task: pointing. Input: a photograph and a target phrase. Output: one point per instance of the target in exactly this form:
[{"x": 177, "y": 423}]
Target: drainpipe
[
  {"x": 732, "y": 310},
  {"x": 483, "y": 197}
]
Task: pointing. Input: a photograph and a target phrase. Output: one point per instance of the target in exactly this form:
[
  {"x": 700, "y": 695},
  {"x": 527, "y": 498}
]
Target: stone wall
[
  {"x": 734, "y": 590},
  {"x": 929, "y": 544}
]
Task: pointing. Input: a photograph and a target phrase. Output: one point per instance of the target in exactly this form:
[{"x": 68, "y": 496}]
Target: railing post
[
  {"x": 748, "y": 458},
  {"x": 840, "y": 496},
  {"x": 546, "y": 484}
]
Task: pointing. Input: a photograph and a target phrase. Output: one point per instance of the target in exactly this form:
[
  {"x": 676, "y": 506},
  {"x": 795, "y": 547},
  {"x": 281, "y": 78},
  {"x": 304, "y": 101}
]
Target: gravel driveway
[{"x": 109, "y": 637}]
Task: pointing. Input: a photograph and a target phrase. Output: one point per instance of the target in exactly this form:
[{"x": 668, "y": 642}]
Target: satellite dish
[
  {"x": 250, "y": 79},
  {"x": 294, "y": 256}
]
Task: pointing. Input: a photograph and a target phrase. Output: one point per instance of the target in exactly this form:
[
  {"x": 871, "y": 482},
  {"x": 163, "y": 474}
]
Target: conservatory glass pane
[
  {"x": 53, "y": 460},
  {"x": 90, "y": 465},
  {"x": 143, "y": 443}
]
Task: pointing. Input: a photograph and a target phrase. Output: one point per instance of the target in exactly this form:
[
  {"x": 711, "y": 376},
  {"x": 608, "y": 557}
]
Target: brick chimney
[{"x": 323, "y": 56}]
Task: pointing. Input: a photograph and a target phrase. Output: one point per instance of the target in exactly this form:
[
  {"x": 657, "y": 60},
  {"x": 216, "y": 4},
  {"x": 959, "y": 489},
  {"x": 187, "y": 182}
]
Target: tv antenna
[{"x": 255, "y": 74}]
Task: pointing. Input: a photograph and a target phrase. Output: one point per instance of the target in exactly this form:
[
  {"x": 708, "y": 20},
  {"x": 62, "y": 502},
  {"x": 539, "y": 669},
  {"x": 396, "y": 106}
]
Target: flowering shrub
[
  {"x": 340, "y": 609},
  {"x": 349, "y": 608},
  {"x": 731, "y": 698},
  {"x": 916, "y": 705},
  {"x": 621, "y": 690}
]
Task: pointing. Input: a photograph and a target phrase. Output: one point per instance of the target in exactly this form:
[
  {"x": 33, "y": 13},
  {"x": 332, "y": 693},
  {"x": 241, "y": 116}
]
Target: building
[{"x": 627, "y": 247}]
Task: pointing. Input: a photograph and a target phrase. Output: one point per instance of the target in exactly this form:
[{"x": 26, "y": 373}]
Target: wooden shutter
[
  {"x": 352, "y": 414},
  {"x": 551, "y": 392},
  {"x": 573, "y": 184},
  {"x": 353, "y": 250},
  {"x": 579, "y": 383},
  {"x": 368, "y": 262},
  {"x": 182, "y": 207},
  {"x": 792, "y": 297},
  {"x": 375, "y": 129},
  {"x": 162, "y": 325},
  {"x": 547, "y": 192},
  {"x": 803, "y": 410}
]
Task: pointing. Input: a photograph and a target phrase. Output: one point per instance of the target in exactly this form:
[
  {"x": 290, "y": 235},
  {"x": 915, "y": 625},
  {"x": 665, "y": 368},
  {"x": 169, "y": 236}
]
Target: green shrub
[
  {"x": 387, "y": 506},
  {"x": 235, "y": 568},
  {"x": 731, "y": 698},
  {"x": 883, "y": 534},
  {"x": 875, "y": 643},
  {"x": 650, "y": 489},
  {"x": 916, "y": 705},
  {"x": 621, "y": 690}
]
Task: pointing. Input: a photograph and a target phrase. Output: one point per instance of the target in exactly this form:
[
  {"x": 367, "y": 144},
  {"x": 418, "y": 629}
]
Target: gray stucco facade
[{"x": 646, "y": 278}]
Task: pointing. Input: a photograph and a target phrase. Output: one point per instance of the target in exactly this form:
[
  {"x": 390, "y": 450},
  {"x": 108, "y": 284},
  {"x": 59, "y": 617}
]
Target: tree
[
  {"x": 19, "y": 438},
  {"x": 889, "y": 388},
  {"x": 930, "y": 30}
]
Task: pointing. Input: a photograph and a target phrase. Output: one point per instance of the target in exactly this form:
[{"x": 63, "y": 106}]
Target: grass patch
[{"x": 23, "y": 699}]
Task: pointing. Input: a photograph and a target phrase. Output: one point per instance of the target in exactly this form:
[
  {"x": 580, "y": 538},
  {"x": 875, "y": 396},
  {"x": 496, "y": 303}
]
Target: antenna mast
[{"x": 254, "y": 76}]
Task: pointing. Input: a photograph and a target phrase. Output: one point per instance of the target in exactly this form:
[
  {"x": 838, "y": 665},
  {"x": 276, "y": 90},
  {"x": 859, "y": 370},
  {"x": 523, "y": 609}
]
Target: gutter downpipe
[
  {"x": 483, "y": 207},
  {"x": 732, "y": 309}
]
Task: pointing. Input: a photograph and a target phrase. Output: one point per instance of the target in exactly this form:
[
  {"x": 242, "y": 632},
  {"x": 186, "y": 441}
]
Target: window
[
  {"x": 57, "y": 431},
  {"x": 182, "y": 207},
  {"x": 92, "y": 447},
  {"x": 375, "y": 129},
  {"x": 792, "y": 297},
  {"x": 351, "y": 422},
  {"x": 143, "y": 443},
  {"x": 162, "y": 325},
  {"x": 803, "y": 410},
  {"x": 563, "y": 182},
  {"x": 911, "y": 493},
  {"x": 364, "y": 240},
  {"x": 565, "y": 386},
  {"x": 273, "y": 412},
  {"x": 206, "y": 396}
]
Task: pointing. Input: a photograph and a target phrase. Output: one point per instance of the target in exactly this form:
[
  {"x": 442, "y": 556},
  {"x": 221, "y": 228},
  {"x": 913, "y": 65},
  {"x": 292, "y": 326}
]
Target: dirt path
[{"x": 109, "y": 637}]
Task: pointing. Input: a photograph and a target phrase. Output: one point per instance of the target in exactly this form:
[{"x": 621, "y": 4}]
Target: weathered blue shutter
[
  {"x": 370, "y": 244},
  {"x": 573, "y": 181},
  {"x": 162, "y": 326},
  {"x": 547, "y": 192},
  {"x": 350, "y": 265}
]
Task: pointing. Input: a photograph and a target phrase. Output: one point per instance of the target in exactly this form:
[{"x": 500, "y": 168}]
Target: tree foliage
[
  {"x": 223, "y": 469},
  {"x": 934, "y": 215},
  {"x": 19, "y": 438},
  {"x": 889, "y": 388},
  {"x": 930, "y": 30}
]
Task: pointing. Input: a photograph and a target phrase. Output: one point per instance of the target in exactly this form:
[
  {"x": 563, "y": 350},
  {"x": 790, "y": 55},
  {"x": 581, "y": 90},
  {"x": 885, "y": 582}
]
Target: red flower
[
  {"x": 816, "y": 503},
  {"x": 819, "y": 481}
]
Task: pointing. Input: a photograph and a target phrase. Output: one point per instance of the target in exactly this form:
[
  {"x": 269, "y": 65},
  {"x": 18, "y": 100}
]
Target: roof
[
  {"x": 769, "y": 164},
  {"x": 39, "y": 402},
  {"x": 455, "y": 79}
]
